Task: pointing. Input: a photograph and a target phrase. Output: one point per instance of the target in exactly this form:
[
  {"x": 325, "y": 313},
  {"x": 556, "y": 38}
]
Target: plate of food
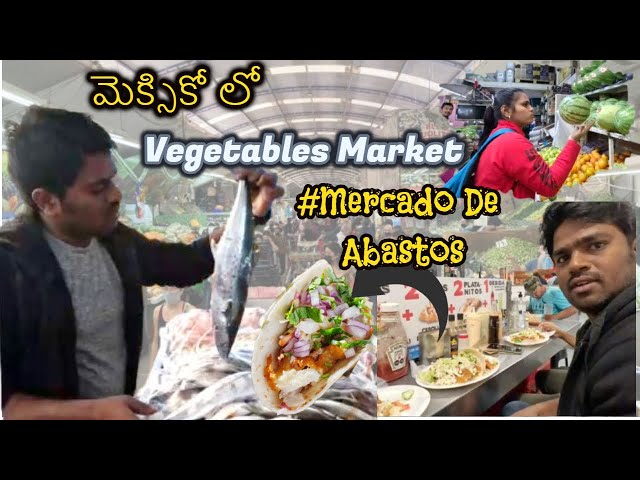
[
  {"x": 468, "y": 367},
  {"x": 402, "y": 401},
  {"x": 529, "y": 337}
]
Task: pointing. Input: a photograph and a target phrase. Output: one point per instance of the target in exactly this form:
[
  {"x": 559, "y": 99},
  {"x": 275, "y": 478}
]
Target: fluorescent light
[
  {"x": 378, "y": 72},
  {"x": 365, "y": 103},
  {"x": 260, "y": 106},
  {"x": 359, "y": 122},
  {"x": 419, "y": 81},
  {"x": 375, "y": 125},
  {"x": 327, "y": 68},
  {"x": 326, "y": 133},
  {"x": 247, "y": 131},
  {"x": 326, "y": 100},
  {"x": 220, "y": 118},
  {"x": 317, "y": 119},
  {"x": 289, "y": 69},
  {"x": 293, "y": 101},
  {"x": 271, "y": 125},
  {"x": 122, "y": 141},
  {"x": 307, "y": 133},
  {"x": 617, "y": 171},
  {"x": 17, "y": 95}
]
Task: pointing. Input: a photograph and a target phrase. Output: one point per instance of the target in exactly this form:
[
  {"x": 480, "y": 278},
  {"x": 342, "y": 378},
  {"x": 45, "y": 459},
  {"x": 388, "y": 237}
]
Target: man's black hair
[{"x": 47, "y": 149}]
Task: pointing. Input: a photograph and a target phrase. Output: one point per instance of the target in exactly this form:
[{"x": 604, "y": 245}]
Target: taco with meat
[{"x": 312, "y": 334}]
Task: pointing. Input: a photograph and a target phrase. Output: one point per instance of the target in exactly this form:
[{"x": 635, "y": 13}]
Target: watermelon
[
  {"x": 611, "y": 101},
  {"x": 624, "y": 118},
  {"x": 605, "y": 76},
  {"x": 595, "y": 106},
  {"x": 620, "y": 77},
  {"x": 575, "y": 109},
  {"x": 594, "y": 81}
]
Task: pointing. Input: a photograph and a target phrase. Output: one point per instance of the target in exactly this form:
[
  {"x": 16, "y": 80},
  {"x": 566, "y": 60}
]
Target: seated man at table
[
  {"x": 542, "y": 295},
  {"x": 593, "y": 247}
]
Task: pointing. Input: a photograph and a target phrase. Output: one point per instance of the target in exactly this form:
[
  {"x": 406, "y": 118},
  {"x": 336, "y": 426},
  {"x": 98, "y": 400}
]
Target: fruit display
[
  {"x": 173, "y": 233},
  {"x": 575, "y": 109},
  {"x": 597, "y": 76},
  {"x": 549, "y": 154},
  {"x": 615, "y": 116},
  {"x": 588, "y": 163},
  {"x": 469, "y": 132}
]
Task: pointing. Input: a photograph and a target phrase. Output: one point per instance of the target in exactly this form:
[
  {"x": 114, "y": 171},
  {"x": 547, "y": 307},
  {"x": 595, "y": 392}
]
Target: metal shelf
[
  {"x": 540, "y": 87},
  {"x": 616, "y": 87},
  {"x": 617, "y": 171},
  {"x": 608, "y": 134}
]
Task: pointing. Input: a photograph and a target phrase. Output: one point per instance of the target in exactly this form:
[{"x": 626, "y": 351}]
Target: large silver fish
[{"x": 233, "y": 266}]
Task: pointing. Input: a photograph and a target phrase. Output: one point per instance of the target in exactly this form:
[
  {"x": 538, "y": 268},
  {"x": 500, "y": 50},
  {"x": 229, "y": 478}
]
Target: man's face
[
  {"x": 90, "y": 206},
  {"x": 594, "y": 263},
  {"x": 446, "y": 110},
  {"x": 387, "y": 229}
]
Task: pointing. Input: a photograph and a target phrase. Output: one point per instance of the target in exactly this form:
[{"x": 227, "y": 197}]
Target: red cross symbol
[
  {"x": 452, "y": 308},
  {"x": 407, "y": 315},
  {"x": 484, "y": 304}
]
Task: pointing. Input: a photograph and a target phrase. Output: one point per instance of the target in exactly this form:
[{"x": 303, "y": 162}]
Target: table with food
[{"x": 484, "y": 354}]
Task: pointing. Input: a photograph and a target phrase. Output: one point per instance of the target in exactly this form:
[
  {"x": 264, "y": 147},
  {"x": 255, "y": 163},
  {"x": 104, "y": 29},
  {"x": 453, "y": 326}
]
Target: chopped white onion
[
  {"x": 331, "y": 313},
  {"x": 351, "y": 312},
  {"x": 321, "y": 289},
  {"x": 308, "y": 326},
  {"x": 341, "y": 308},
  {"x": 349, "y": 353},
  {"x": 315, "y": 297}
]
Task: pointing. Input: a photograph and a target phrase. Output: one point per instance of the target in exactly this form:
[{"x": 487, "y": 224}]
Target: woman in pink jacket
[{"x": 510, "y": 162}]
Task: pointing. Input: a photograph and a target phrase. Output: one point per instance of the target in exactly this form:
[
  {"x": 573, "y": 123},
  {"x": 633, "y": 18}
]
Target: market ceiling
[{"x": 315, "y": 97}]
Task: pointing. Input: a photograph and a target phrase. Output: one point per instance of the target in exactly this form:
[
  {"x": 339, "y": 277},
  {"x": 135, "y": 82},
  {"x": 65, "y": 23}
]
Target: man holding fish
[{"x": 71, "y": 274}]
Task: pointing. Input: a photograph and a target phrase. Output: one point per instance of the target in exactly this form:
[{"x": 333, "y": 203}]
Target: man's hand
[
  {"x": 543, "y": 409},
  {"x": 264, "y": 189},
  {"x": 551, "y": 327},
  {"x": 121, "y": 407}
]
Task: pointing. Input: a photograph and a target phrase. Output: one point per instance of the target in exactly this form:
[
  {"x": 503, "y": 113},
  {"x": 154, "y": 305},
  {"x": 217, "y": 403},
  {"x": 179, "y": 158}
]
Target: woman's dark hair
[
  {"x": 618, "y": 214},
  {"x": 47, "y": 149},
  {"x": 492, "y": 113}
]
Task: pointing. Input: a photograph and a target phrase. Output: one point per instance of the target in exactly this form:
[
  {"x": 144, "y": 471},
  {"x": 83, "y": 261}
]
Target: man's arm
[
  {"x": 567, "y": 312},
  {"x": 28, "y": 407},
  {"x": 543, "y": 409},
  {"x": 173, "y": 264},
  {"x": 566, "y": 336}
]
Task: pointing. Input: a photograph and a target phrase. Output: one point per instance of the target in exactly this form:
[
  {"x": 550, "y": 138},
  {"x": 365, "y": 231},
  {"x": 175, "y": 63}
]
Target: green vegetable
[
  {"x": 605, "y": 117},
  {"x": 314, "y": 283},
  {"x": 326, "y": 375},
  {"x": 407, "y": 395},
  {"x": 294, "y": 317},
  {"x": 356, "y": 343}
]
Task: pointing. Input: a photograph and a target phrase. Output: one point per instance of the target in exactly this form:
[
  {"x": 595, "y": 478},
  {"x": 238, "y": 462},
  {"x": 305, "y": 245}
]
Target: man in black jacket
[
  {"x": 593, "y": 247},
  {"x": 71, "y": 274}
]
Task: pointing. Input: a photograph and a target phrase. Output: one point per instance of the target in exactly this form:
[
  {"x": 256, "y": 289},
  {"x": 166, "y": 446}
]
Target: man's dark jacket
[
  {"x": 601, "y": 378},
  {"x": 37, "y": 321}
]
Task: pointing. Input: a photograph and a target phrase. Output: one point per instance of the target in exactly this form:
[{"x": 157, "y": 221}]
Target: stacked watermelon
[
  {"x": 575, "y": 109},
  {"x": 615, "y": 115},
  {"x": 596, "y": 76}
]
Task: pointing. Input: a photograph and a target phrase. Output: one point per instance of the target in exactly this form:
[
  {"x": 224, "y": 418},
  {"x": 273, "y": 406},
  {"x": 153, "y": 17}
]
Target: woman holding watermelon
[{"x": 510, "y": 162}]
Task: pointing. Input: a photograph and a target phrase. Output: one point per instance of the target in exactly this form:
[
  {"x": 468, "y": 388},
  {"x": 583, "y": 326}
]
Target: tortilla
[{"x": 266, "y": 346}]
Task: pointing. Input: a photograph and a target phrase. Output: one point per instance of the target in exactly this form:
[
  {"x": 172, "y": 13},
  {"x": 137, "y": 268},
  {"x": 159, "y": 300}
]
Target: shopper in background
[
  {"x": 71, "y": 274},
  {"x": 510, "y": 162},
  {"x": 542, "y": 295},
  {"x": 593, "y": 247},
  {"x": 172, "y": 306},
  {"x": 446, "y": 109}
]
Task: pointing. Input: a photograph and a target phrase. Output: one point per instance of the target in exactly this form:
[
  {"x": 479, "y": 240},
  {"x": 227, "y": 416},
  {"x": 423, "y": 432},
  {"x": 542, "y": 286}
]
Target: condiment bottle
[{"x": 393, "y": 344}]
